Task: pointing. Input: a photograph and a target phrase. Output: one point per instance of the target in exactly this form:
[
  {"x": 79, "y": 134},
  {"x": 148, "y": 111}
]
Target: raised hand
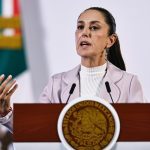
[{"x": 7, "y": 88}]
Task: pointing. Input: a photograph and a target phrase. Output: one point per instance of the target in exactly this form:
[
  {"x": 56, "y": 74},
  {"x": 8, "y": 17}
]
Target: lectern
[{"x": 38, "y": 122}]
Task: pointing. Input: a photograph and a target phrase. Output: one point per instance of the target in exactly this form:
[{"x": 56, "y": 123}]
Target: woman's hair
[{"x": 114, "y": 54}]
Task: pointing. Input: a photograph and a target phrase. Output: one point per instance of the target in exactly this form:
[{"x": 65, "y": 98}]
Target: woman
[
  {"x": 101, "y": 62},
  {"x": 101, "y": 72}
]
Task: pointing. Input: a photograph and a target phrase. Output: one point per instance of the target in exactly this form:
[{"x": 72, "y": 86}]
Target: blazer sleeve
[
  {"x": 135, "y": 91},
  {"x": 7, "y": 121}
]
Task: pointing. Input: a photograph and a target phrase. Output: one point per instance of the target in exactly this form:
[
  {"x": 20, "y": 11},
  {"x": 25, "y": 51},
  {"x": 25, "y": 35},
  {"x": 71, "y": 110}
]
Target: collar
[{"x": 113, "y": 76}]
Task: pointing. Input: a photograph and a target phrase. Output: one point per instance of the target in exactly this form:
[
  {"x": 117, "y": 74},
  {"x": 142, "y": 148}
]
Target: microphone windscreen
[
  {"x": 107, "y": 87},
  {"x": 72, "y": 88}
]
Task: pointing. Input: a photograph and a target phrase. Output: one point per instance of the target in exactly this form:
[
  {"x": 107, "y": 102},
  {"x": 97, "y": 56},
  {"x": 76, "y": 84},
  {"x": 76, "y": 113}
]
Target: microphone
[
  {"x": 108, "y": 90},
  {"x": 71, "y": 91}
]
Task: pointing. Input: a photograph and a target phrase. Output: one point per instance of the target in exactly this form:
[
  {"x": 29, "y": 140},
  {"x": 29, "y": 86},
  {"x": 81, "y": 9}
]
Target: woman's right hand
[{"x": 7, "y": 88}]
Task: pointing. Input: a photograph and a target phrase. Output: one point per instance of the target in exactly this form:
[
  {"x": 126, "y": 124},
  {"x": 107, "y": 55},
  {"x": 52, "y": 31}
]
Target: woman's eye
[
  {"x": 93, "y": 28},
  {"x": 80, "y": 27}
]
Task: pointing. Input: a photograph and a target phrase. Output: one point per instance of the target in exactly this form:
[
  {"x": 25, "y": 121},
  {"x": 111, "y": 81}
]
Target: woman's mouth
[{"x": 85, "y": 44}]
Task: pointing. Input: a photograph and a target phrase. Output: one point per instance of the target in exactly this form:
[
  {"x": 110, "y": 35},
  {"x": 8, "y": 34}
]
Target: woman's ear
[{"x": 111, "y": 40}]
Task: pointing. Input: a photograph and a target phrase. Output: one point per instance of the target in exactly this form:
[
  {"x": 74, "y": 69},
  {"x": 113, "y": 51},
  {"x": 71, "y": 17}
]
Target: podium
[{"x": 38, "y": 122}]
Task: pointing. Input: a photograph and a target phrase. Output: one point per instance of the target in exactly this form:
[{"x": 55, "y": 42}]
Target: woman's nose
[{"x": 86, "y": 32}]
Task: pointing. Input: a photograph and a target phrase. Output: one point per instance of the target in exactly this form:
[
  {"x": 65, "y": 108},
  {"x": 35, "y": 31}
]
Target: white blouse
[{"x": 90, "y": 80}]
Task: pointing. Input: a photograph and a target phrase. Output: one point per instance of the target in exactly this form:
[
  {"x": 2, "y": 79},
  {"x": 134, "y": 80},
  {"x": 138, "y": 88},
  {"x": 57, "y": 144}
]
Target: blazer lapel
[
  {"x": 113, "y": 76},
  {"x": 115, "y": 91},
  {"x": 70, "y": 78}
]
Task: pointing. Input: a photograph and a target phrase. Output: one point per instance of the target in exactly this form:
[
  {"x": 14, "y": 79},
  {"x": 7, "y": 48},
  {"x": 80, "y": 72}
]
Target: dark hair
[{"x": 114, "y": 53}]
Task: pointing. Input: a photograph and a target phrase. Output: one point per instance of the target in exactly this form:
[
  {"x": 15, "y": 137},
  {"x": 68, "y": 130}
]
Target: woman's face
[{"x": 92, "y": 34}]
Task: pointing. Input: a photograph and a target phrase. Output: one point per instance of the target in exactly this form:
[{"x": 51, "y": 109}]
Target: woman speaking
[{"x": 101, "y": 72}]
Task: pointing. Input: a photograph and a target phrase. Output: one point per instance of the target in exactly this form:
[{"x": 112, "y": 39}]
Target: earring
[{"x": 106, "y": 53}]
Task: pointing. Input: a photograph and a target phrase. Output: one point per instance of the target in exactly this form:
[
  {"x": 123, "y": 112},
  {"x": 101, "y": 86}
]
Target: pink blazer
[{"x": 125, "y": 87}]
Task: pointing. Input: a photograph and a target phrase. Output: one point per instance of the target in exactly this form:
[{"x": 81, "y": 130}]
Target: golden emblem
[{"x": 88, "y": 125}]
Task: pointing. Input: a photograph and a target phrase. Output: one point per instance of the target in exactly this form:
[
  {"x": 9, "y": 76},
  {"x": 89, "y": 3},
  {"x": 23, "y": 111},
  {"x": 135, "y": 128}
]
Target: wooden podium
[{"x": 38, "y": 122}]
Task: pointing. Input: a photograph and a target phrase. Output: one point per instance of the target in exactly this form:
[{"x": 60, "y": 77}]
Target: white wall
[{"x": 133, "y": 22}]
